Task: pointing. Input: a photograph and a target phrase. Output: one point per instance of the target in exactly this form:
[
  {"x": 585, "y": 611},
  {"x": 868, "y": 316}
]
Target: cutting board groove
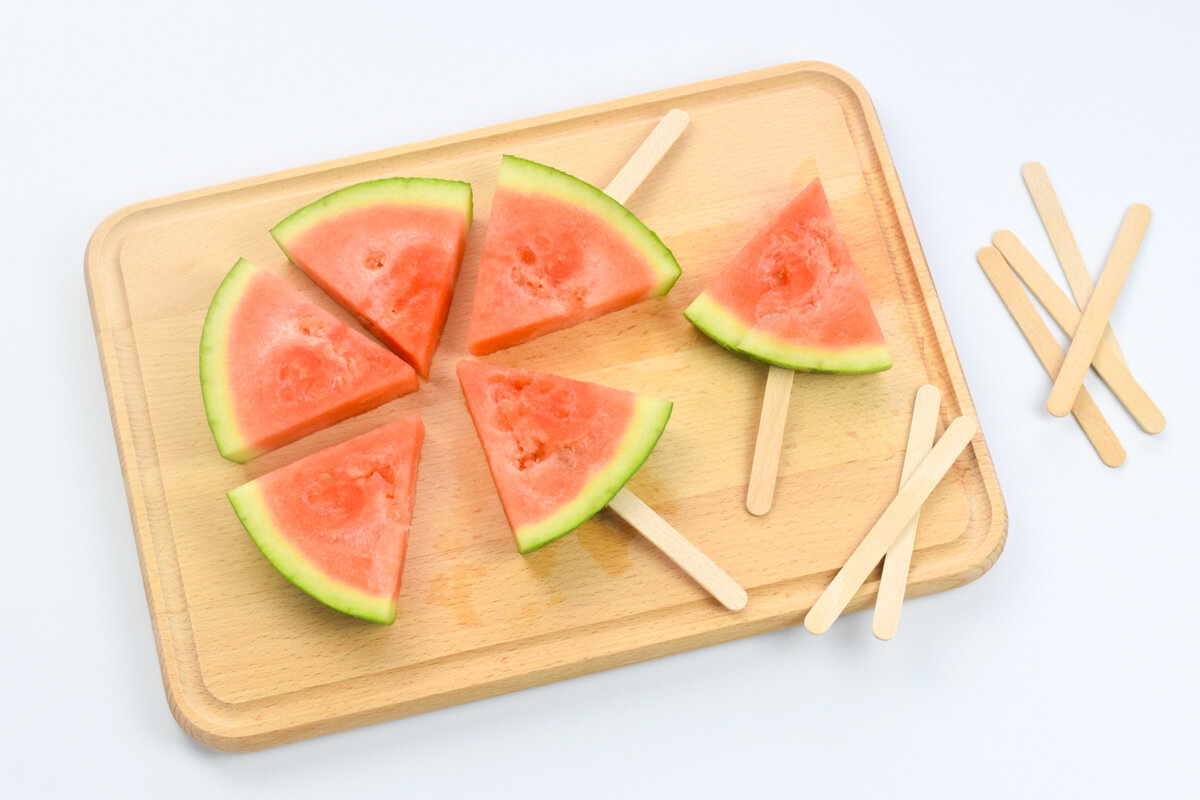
[{"x": 250, "y": 662}]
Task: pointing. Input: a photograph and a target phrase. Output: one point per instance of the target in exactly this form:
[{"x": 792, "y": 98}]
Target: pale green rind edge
[
  {"x": 726, "y": 330},
  {"x": 455, "y": 195},
  {"x": 248, "y": 504},
  {"x": 523, "y": 175},
  {"x": 650, "y": 417},
  {"x": 214, "y": 361}
]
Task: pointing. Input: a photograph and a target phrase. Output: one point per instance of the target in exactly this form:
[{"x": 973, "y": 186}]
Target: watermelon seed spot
[
  {"x": 527, "y": 256},
  {"x": 309, "y": 326},
  {"x": 373, "y": 260}
]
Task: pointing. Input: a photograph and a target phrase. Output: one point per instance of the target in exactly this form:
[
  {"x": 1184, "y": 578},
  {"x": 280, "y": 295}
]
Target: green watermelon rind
[
  {"x": 251, "y": 508},
  {"x": 214, "y": 364},
  {"x": 723, "y": 327},
  {"x": 523, "y": 175},
  {"x": 650, "y": 418},
  {"x": 454, "y": 195}
]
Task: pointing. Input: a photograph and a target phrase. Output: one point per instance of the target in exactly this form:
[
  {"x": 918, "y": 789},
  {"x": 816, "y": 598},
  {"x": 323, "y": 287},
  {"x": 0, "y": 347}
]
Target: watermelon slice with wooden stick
[
  {"x": 793, "y": 299},
  {"x": 336, "y": 522},
  {"x": 389, "y": 252},
  {"x": 558, "y": 252},
  {"x": 792, "y": 296},
  {"x": 558, "y": 449},
  {"x": 275, "y": 367}
]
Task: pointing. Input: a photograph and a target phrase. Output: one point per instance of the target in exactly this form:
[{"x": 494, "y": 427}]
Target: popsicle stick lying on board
[
  {"x": 1044, "y": 345},
  {"x": 647, "y": 156},
  {"x": 685, "y": 554},
  {"x": 626, "y": 504},
  {"x": 1054, "y": 220},
  {"x": 887, "y": 529},
  {"x": 768, "y": 445},
  {"x": 895, "y": 564},
  {"x": 1095, "y": 317},
  {"x": 1107, "y": 362}
]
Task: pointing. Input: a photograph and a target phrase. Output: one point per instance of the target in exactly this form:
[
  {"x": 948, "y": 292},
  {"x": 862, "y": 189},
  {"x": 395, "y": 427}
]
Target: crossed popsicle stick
[{"x": 1093, "y": 343}]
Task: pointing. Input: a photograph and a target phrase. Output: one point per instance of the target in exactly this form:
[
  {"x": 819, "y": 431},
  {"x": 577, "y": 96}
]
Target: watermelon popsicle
[
  {"x": 559, "y": 450},
  {"x": 559, "y": 252},
  {"x": 793, "y": 299}
]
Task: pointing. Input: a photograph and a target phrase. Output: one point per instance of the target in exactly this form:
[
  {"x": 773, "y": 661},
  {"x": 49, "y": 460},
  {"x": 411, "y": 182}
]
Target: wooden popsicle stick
[
  {"x": 651, "y": 151},
  {"x": 1046, "y": 348},
  {"x": 626, "y": 504},
  {"x": 1054, "y": 220},
  {"x": 883, "y": 534},
  {"x": 685, "y": 554},
  {"x": 895, "y": 564},
  {"x": 771, "y": 422},
  {"x": 1069, "y": 380},
  {"x": 1107, "y": 361}
]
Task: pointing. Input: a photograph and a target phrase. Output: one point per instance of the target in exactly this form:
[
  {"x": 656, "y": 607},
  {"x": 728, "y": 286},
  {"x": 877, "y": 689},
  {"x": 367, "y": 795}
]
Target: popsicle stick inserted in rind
[
  {"x": 1092, "y": 324},
  {"x": 631, "y": 509},
  {"x": 883, "y": 534},
  {"x": 895, "y": 564},
  {"x": 652, "y": 150},
  {"x": 1087, "y": 414},
  {"x": 1107, "y": 362},
  {"x": 626, "y": 504},
  {"x": 1054, "y": 220},
  {"x": 769, "y": 443}
]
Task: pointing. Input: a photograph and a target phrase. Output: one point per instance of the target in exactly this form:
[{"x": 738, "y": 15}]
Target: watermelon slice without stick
[
  {"x": 558, "y": 449},
  {"x": 559, "y": 251},
  {"x": 275, "y": 367},
  {"x": 336, "y": 523},
  {"x": 388, "y": 251},
  {"x": 793, "y": 298}
]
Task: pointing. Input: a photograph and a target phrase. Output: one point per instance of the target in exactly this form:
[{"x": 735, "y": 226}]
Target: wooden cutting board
[{"x": 248, "y": 661}]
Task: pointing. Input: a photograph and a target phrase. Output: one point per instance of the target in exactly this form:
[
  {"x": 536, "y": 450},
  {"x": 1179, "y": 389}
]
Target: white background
[{"x": 1069, "y": 669}]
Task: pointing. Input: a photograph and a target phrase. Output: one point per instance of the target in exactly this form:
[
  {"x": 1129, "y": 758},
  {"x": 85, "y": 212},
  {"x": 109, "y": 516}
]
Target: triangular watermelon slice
[
  {"x": 558, "y": 449},
  {"x": 336, "y": 523},
  {"x": 388, "y": 251},
  {"x": 559, "y": 251},
  {"x": 275, "y": 367},
  {"x": 792, "y": 297}
]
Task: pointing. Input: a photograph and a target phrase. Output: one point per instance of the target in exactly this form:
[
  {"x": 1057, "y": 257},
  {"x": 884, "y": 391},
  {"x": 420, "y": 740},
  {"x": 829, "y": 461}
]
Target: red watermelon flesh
[
  {"x": 275, "y": 367},
  {"x": 558, "y": 252},
  {"x": 389, "y": 251},
  {"x": 336, "y": 522},
  {"x": 558, "y": 449},
  {"x": 793, "y": 297}
]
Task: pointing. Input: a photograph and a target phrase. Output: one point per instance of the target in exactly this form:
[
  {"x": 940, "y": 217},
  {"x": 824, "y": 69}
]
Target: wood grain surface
[{"x": 248, "y": 661}]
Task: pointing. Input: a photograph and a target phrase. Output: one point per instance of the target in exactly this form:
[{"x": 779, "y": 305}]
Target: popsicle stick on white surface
[
  {"x": 1107, "y": 362},
  {"x": 626, "y": 504},
  {"x": 895, "y": 564},
  {"x": 887, "y": 529},
  {"x": 769, "y": 444},
  {"x": 685, "y": 554},
  {"x": 1046, "y": 348},
  {"x": 1054, "y": 220},
  {"x": 1092, "y": 324},
  {"x": 651, "y": 151}
]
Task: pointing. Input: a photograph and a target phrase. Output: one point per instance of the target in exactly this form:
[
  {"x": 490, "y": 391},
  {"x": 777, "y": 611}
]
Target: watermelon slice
[
  {"x": 559, "y": 251},
  {"x": 275, "y": 367},
  {"x": 792, "y": 297},
  {"x": 558, "y": 449},
  {"x": 389, "y": 252},
  {"x": 336, "y": 523}
]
